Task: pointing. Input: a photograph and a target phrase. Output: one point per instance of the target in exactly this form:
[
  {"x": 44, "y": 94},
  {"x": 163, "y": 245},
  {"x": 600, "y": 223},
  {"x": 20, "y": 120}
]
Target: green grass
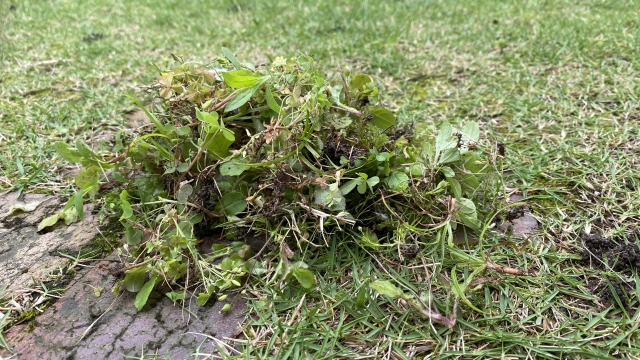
[{"x": 556, "y": 81}]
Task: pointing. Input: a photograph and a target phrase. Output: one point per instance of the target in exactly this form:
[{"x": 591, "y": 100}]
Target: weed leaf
[
  {"x": 386, "y": 288},
  {"x": 143, "y": 294},
  {"x": 304, "y": 277},
  {"x": 382, "y": 118},
  {"x": 240, "y": 79}
]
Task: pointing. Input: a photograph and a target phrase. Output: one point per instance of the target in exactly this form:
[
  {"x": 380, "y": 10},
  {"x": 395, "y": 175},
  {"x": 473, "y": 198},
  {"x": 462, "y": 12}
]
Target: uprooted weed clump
[{"x": 283, "y": 154}]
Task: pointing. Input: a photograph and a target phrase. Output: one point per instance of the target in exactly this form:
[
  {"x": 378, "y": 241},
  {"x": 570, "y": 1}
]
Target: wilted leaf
[
  {"x": 48, "y": 221},
  {"x": 16, "y": 208},
  {"x": 184, "y": 192}
]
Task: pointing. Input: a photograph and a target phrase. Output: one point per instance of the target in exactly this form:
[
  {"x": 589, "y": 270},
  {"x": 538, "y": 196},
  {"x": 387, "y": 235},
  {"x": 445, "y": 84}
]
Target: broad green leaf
[
  {"x": 362, "y": 185},
  {"x": 232, "y": 58},
  {"x": 85, "y": 152},
  {"x": 233, "y": 168},
  {"x": 360, "y": 81},
  {"x": 241, "y": 98},
  {"x": 48, "y": 221},
  {"x": 182, "y": 167},
  {"x": 143, "y": 294},
  {"x": 349, "y": 186},
  {"x": 398, "y": 181},
  {"x": 271, "y": 101},
  {"x": 471, "y": 131},
  {"x": 202, "y": 299},
  {"x": 233, "y": 203},
  {"x": 66, "y": 152},
  {"x": 304, "y": 277},
  {"x": 467, "y": 213},
  {"x": 429, "y": 152},
  {"x": 455, "y": 187},
  {"x": 127, "y": 210},
  {"x": 417, "y": 170},
  {"x": 218, "y": 142},
  {"x": 134, "y": 279},
  {"x": 447, "y": 171},
  {"x": 373, "y": 181},
  {"x": 133, "y": 236},
  {"x": 239, "y": 79},
  {"x": 445, "y": 139},
  {"x": 449, "y": 155},
  {"x": 183, "y": 193},
  {"x": 386, "y": 288},
  {"x": 382, "y": 118},
  {"x": 206, "y": 117}
]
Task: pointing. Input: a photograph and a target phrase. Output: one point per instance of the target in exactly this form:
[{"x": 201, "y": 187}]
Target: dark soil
[{"x": 619, "y": 254}]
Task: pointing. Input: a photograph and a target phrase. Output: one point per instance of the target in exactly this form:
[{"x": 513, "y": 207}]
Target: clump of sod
[{"x": 268, "y": 158}]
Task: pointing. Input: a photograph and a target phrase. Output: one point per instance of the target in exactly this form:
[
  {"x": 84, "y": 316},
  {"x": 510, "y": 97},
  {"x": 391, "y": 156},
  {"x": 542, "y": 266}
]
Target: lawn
[{"x": 557, "y": 82}]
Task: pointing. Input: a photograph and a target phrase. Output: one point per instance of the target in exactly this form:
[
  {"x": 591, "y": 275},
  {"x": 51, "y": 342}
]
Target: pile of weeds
[{"x": 244, "y": 165}]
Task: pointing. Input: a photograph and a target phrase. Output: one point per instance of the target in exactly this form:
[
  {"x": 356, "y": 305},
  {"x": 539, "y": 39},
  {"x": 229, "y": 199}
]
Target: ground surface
[
  {"x": 85, "y": 324},
  {"x": 557, "y": 82},
  {"x": 82, "y": 317},
  {"x": 26, "y": 255}
]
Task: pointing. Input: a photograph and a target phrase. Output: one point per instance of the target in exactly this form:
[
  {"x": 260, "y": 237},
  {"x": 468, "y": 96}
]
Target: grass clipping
[{"x": 277, "y": 156}]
